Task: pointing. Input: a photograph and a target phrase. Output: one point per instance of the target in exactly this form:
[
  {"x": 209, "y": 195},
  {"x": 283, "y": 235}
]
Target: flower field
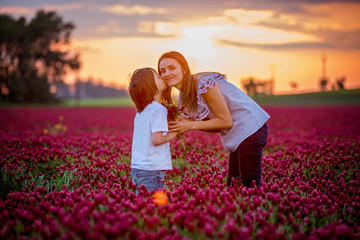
[{"x": 64, "y": 174}]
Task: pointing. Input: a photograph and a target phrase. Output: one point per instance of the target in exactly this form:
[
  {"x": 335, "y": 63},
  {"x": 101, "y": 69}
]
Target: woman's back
[{"x": 247, "y": 115}]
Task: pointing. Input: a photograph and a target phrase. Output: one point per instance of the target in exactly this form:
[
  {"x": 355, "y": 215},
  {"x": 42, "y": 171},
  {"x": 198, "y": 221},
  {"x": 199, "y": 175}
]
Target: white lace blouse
[{"x": 246, "y": 114}]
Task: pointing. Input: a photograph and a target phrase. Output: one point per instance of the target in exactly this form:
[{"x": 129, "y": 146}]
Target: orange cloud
[
  {"x": 16, "y": 10},
  {"x": 339, "y": 16},
  {"x": 63, "y": 7},
  {"x": 133, "y": 10}
]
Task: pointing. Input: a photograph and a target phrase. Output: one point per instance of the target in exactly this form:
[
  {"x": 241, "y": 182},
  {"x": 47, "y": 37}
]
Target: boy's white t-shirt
[{"x": 144, "y": 154}]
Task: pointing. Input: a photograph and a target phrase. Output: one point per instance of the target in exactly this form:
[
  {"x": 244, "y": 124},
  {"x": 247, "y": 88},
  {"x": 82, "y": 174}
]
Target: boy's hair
[{"x": 142, "y": 87}]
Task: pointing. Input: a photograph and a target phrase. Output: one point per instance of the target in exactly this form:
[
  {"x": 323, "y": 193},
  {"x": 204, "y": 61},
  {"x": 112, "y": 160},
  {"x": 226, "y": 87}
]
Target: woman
[{"x": 214, "y": 104}]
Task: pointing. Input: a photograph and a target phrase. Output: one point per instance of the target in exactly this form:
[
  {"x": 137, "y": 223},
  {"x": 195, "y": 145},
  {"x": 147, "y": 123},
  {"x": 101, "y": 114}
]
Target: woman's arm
[
  {"x": 217, "y": 105},
  {"x": 158, "y": 138},
  {"x": 210, "y": 131}
]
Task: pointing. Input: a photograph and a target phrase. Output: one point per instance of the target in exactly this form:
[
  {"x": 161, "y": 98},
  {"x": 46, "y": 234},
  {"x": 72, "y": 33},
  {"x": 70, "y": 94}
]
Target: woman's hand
[
  {"x": 181, "y": 125},
  {"x": 217, "y": 105}
]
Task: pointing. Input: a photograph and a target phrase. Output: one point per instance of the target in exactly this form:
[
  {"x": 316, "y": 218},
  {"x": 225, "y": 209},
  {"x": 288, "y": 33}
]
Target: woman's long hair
[{"x": 189, "y": 85}]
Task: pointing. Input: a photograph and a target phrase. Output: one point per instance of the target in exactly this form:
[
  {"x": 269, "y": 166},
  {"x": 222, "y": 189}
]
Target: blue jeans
[
  {"x": 245, "y": 161},
  {"x": 152, "y": 180}
]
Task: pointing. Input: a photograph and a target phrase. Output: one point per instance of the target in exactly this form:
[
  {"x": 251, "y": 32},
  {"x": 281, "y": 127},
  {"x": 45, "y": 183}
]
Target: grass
[
  {"x": 94, "y": 102},
  {"x": 121, "y": 101},
  {"x": 342, "y": 97}
]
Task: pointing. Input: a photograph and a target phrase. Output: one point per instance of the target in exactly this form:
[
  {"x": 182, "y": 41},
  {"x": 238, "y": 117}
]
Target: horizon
[{"x": 278, "y": 39}]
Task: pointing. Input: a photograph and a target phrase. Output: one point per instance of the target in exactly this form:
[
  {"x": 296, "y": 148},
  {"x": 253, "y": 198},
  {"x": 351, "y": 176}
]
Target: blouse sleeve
[
  {"x": 208, "y": 80},
  {"x": 205, "y": 80}
]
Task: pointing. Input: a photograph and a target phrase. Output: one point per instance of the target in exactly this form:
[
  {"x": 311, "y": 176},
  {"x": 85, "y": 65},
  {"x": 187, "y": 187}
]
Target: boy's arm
[{"x": 158, "y": 138}]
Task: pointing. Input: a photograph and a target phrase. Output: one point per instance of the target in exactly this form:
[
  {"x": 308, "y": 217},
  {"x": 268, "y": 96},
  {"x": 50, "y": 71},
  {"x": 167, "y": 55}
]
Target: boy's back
[{"x": 145, "y": 155}]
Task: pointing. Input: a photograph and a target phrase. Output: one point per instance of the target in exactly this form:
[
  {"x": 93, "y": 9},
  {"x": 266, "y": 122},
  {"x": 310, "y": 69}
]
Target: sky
[{"x": 286, "y": 40}]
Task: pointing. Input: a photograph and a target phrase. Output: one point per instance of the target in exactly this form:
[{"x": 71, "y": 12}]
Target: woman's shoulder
[
  {"x": 207, "y": 80},
  {"x": 202, "y": 75}
]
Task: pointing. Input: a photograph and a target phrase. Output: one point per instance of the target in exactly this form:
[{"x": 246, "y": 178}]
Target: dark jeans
[{"x": 245, "y": 162}]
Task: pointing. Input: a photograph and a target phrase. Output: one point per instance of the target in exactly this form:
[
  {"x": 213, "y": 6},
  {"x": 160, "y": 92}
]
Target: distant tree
[
  {"x": 261, "y": 87},
  {"x": 89, "y": 89},
  {"x": 323, "y": 83},
  {"x": 254, "y": 86},
  {"x": 250, "y": 86},
  {"x": 340, "y": 82},
  {"x": 293, "y": 85},
  {"x": 34, "y": 56},
  {"x": 64, "y": 91},
  {"x": 333, "y": 87}
]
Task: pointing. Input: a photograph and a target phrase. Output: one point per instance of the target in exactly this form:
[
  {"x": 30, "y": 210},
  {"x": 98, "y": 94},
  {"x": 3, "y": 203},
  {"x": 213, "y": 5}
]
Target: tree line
[
  {"x": 88, "y": 88},
  {"x": 34, "y": 57},
  {"x": 253, "y": 86}
]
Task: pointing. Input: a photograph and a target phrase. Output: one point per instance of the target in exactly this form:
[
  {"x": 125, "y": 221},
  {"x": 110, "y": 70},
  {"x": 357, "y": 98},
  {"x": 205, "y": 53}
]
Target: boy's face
[{"x": 159, "y": 82}]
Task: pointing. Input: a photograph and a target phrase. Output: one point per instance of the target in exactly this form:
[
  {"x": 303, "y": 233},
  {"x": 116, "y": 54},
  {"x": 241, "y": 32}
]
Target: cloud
[
  {"x": 27, "y": 10},
  {"x": 246, "y": 17},
  {"x": 133, "y": 10},
  {"x": 86, "y": 48},
  {"x": 63, "y": 7},
  {"x": 334, "y": 22},
  {"x": 16, "y": 10},
  {"x": 118, "y": 28},
  {"x": 289, "y": 46},
  {"x": 339, "y": 37}
]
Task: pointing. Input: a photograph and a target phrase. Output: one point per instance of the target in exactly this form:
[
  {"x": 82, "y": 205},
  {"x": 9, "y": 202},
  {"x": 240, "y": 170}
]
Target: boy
[{"x": 150, "y": 153}]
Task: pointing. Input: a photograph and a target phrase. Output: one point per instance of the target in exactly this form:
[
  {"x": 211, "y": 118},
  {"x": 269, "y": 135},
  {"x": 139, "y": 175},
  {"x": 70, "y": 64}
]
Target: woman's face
[{"x": 171, "y": 72}]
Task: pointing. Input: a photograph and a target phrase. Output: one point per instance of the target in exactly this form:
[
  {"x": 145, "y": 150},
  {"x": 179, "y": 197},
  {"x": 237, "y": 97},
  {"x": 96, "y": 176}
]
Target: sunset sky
[{"x": 240, "y": 38}]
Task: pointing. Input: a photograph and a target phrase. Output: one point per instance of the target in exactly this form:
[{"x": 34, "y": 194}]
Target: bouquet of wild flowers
[{"x": 174, "y": 112}]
